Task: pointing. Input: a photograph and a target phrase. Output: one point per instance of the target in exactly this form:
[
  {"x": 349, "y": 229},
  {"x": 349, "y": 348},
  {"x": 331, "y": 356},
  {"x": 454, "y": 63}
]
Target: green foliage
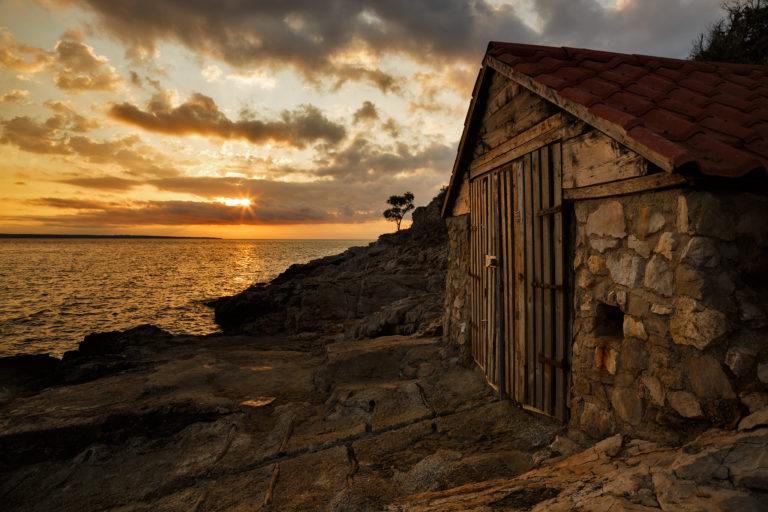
[
  {"x": 741, "y": 36},
  {"x": 400, "y": 206}
]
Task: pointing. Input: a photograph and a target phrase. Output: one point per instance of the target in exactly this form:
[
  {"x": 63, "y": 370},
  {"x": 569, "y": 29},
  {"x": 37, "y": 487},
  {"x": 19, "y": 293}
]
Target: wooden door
[
  {"x": 518, "y": 296},
  {"x": 544, "y": 346}
]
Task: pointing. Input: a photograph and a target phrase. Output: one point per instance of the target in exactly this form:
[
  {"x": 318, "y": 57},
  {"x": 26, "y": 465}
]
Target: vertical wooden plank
[
  {"x": 546, "y": 277},
  {"x": 509, "y": 279},
  {"x": 472, "y": 251},
  {"x": 497, "y": 299},
  {"x": 562, "y": 342},
  {"x": 484, "y": 273},
  {"x": 501, "y": 280},
  {"x": 530, "y": 241},
  {"x": 537, "y": 277},
  {"x": 520, "y": 349}
]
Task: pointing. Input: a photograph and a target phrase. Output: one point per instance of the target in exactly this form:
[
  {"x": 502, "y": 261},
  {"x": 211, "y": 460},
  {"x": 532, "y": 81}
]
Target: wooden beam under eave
[
  {"x": 611, "y": 129},
  {"x": 624, "y": 187}
]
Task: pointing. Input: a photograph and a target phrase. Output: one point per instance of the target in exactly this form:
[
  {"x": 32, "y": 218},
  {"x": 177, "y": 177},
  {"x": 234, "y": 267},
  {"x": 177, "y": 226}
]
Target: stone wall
[
  {"x": 670, "y": 304},
  {"x": 456, "y": 318}
]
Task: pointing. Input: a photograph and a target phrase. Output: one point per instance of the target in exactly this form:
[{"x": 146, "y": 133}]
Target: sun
[{"x": 231, "y": 201}]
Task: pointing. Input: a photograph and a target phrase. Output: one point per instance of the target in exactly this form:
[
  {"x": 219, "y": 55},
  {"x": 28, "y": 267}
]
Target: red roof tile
[{"x": 713, "y": 115}]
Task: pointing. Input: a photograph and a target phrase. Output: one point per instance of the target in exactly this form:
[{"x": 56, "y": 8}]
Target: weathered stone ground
[
  {"x": 243, "y": 423},
  {"x": 230, "y": 423}
]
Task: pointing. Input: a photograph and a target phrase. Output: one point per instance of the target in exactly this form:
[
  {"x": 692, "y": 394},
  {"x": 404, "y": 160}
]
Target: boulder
[{"x": 393, "y": 286}]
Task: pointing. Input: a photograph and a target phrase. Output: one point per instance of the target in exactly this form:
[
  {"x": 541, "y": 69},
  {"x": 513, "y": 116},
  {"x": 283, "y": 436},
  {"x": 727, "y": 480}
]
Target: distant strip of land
[{"x": 25, "y": 235}]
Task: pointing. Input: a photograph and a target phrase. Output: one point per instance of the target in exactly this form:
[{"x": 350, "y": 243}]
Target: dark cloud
[
  {"x": 367, "y": 112},
  {"x": 654, "y": 27},
  {"x": 69, "y": 204},
  {"x": 29, "y": 135},
  {"x": 103, "y": 183},
  {"x": 177, "y": 213},
  {"x": 136, "y": 79},
  {"x": 59, "y": 134},
  {"x": 66, "y": 117},
  {"x": 363, "y": 160},
  {"x": 14, "y": 95},
  {"x": 79, "y": 69},
  {"x": 201, "y": 116},
  {"x": 311, "y": 36},
  {"x": 315, "y": 37}
]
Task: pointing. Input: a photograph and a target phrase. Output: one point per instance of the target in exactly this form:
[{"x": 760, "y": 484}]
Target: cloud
[
  {"x": 21, "y": 57},
  {"x": 312, "y": 37},
  {"x": 363, "y": 160},
  {"x": 365, "y": 113},
  {"x": 174, "y": 213},
  {"x": 70, "y": 204},
  {"x": 200, "y": 115},
  {"x": 79, "y": 69},
  {"x": 66, "y": 117},
  {"x": 49, "y": 136},
  {"x": 257, "y": 78},
  {"x": 211, "y": 73},
  {"x": 14, "y": 95},
  {"x": 61, "y": 134},
  {"x": 103, "y": 183},
  {"x": 655, "y": 27},
  {"x": 33, "y": 137}
]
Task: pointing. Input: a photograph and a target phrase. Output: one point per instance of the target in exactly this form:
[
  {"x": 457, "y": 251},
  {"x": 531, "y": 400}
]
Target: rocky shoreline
[{"x": 331, "y": 389}]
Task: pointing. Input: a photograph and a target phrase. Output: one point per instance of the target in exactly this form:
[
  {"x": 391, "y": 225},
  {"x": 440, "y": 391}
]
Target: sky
[{"x": 263, "y": 119}]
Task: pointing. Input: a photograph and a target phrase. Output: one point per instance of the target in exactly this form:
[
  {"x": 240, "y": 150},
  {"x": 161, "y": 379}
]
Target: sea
[{"x": 53, "y": 292}]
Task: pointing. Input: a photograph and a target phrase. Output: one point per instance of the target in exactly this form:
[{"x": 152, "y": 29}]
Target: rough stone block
[
  {"x": 596, "y": 264},
  {"x": 754, "y": 420},
  {"x": 707, "y": 377},
  {"x": 685, "y": 404},
  {"x": 595, "y": 420},
  {"x": 658, "y": 276},
  {"x": 740, "y": 360},
  {"x": 755, "y": 401},
  {"x": 585, "y": 279},
  {"x": 655, "y": 390},
  {"x": 607, "y": 220},
  {"x": 701, "y": 213},
  {"x": 762, "y": 372},
  {"x": 660, "y": 309},
  {"x": 694, "y": 324},
  {"x": 628, "y": 405},
  {"x": 625, "y": 268},
  {"x": 666, "y": 245},
  {"x": 641, "y": 247},
  {"x": 603, "y": 244},
  {"x": 689, "y": 282},
  {"x": 633, "y": 357},
  {"x": 651, "y": 221},
  {"x": 634, "y": 328},
  {"x": 637, "y": 306},
  {"x": 700, "y": 252}
]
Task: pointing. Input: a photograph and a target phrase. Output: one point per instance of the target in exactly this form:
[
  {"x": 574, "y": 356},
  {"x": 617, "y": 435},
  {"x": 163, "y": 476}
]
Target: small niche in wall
[{"x": 609, "y": 321}]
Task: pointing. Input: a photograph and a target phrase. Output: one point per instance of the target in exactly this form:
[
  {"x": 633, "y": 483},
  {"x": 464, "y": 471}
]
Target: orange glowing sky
[{"x": 262, "y": 119}]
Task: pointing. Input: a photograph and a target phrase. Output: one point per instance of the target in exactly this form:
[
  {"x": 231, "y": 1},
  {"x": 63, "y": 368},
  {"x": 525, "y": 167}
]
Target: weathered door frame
[{"x": 519, "y": 326}]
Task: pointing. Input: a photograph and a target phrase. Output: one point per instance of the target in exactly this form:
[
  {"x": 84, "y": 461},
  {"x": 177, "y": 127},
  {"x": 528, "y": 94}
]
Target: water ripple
[{"x": 54, "y": 292}]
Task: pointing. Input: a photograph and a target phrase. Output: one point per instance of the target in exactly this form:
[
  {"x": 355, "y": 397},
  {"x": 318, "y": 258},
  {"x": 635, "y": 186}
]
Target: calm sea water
[{"x": 55, "y": 291}]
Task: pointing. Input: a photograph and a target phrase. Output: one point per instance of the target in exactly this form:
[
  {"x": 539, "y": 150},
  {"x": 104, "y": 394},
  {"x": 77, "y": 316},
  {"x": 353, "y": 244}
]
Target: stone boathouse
[{"x": 608, "y": 219}]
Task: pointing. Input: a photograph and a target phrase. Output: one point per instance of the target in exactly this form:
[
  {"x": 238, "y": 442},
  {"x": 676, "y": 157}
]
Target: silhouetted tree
[
  {"x": 400, "y": 206},
  {"x": 741, "y": 36}
]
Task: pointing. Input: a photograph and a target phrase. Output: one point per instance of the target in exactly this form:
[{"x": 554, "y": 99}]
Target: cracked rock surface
[{"x": 274, "y": 423}]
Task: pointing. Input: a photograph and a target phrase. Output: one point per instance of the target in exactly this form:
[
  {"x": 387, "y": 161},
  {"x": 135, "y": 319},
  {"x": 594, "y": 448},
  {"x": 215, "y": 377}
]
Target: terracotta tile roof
[{"x": 707, "y": 114}]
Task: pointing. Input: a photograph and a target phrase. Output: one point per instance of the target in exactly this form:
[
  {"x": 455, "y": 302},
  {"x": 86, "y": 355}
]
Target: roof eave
[{"x": 582, "y": 112}]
